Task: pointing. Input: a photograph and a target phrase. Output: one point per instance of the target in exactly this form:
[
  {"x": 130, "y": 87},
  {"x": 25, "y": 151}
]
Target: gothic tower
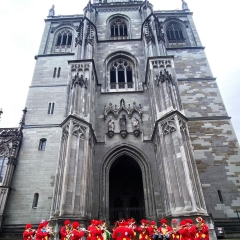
[{"x": 124, "y": 119}]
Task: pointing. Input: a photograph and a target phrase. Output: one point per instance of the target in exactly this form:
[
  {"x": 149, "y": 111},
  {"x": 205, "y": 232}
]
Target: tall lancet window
[
  {"x": 63, "y": 41},
  {"x": 121, "y": 75},
  {"x": 118, "y": 29},
  {"x": 175, "y": 35}
]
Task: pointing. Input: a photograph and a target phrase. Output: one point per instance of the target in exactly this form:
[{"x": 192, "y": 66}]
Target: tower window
[
  {"x": 175, "y": 35},
  {"x": 35, "y": 200},
  {"x": 51, "y": 108},
  {"x": 118, "y": 29},
  {"x": 42, "y": 144},
  {"x": 54, "y": 72},
  {"x": 63, "y": 41},
  {"x": 3, "y": 165},
  {"x": 121, "y": 76},
  {"x": 59, "y": 71},
  {"x": 220, "y": 196}
]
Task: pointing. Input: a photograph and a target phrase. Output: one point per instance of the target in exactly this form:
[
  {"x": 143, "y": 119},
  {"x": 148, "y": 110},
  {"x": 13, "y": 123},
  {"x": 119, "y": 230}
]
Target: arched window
[
  {"x": 118, "y": 29},
  {"x": 35, "y": 200},
  {"x": 3, "y": 165},
  {"x": 42, "y": 144},
  {"x": 63, "y": 41},
  {"x": 175, "y": 35},
  {"x": 121, "y": 74}
]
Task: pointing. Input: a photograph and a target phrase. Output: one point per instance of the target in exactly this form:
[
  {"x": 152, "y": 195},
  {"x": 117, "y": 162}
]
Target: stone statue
[
  {"x": 111, "y": 124},
  {"x": 135, "y": 124},
  {"x": 51, "y": 11},
  {"x": 184, "y": 5},
  {"x": 123, "y": 122}
]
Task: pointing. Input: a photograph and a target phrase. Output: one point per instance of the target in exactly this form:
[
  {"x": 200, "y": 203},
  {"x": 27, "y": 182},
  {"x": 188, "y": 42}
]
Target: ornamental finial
[
  {"x": 184, "y": 5},
  {"x": 22, "y": 122},
  {"x": 51, "y": 11}
]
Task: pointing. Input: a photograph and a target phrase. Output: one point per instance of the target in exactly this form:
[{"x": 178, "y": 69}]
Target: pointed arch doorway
[
  {"x": 138, "y": 160},
  {"x": 126, "y": 196}
]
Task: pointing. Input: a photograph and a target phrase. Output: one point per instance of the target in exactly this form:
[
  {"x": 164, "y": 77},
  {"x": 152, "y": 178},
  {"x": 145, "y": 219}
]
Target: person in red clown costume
[
  {"x": 90, "y": 228},
  {"x": 29, "y": 233},
  {"x": 144, "y": 230},
  {"x": 202, "y": 232},
  {"x": 175, "y": 234},
  {"x": 41, "y": 231},
  {"x": 153, "y": 230},
  {"x": 164, "y": 229},
  {"x": 65, "y": 230},
  {"x": 123, "y": 232},
  {"x": 133, "y": 226},
  {"x": 76, "y": 233},
  {"x": 191, "y": 228},
  {"x": 97, "y": 230},
  {"x": 184, "y": 231}
]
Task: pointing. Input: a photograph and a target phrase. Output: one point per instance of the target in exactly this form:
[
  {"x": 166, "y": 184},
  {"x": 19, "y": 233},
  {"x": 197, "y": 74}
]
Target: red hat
[
  {"x": 174, "y": 221},
  {"x": 163, "y": 221},
  {"x": 153, "y": 223},
  {"x": 41, "y": 225},
  {"x": 75, "y": 225},
  {"x": 99, "y": 222},
  {"x": 183, "y": 222},
  {"x": 92, "y": 222},
  {"x": 67, "y": 222},
  {"x": 29, "y": 225},
  {"x": 199, "y": 219},
  {"x": 189, "y": 220},
  {"x": 143, "y": 221}
]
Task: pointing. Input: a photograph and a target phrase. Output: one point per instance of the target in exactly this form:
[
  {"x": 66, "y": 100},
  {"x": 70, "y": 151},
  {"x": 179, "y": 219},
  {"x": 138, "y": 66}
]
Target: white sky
[{"x": 22, "y": 24}]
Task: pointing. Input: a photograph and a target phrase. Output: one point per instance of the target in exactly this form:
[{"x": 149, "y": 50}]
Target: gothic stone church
[{"x": 123, "y": 119}]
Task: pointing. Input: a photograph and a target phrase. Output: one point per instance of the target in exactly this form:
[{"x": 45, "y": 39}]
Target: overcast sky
[{"x": 22, "y": 24}]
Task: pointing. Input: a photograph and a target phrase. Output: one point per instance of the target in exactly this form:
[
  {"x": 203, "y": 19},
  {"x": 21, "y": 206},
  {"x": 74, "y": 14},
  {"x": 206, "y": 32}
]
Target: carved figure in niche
[
  {"x": 136, "y": 127},
  {"x": 79, "y": 80},
  {"x": 111, "y": 124},
  {"x": 135, "y": 124},
  {"x": 111, "y": 127},
  {"x": 123, "y": 122},
  {"x": 51, "y": 11},
  {"x": 123, "y": 125}
]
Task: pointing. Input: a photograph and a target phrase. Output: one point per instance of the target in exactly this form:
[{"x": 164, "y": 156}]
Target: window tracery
[
  {"x": 118, "y": 29},
  {"x": 121, "y": 74},
  {"x": 64, "y": 41},
  {"x": 176, "y": 35}
]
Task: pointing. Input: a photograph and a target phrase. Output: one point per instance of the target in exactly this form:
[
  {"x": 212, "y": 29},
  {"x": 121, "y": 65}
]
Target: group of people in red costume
[
  {"x": 127, "y": 230},
  {"x": 124, "y": 230}
]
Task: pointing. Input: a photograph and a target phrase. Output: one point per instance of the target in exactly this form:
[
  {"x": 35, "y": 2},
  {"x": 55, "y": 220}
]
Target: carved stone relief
[{"x": 123, "y": 126}]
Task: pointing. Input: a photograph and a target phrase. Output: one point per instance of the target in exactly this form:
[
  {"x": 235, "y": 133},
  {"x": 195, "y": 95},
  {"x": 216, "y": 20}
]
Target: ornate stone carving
[
  {"x": 3, "y": 191},
  {"x": 78, "y": 80},
  {"x": 123, "y": 126},
  {"x": 12, "y": 161},
  {"x": 111, "y": 127},
  {"x": 164, "y": 76},
  {"x": 118, "y": 9},
  {"x": 4, "y": 151},
  {"x": 128, "y": 110},
  {"x": 79, "y": 38},
  {"x": 78, "y": 130},
  {"x": 149, "y": 32},
  {"x": 136, "y": 126},
  {"x": 90, "y": 35},
  {"x": 158, "y": 27},
  {"x": 168, "y": 127}
]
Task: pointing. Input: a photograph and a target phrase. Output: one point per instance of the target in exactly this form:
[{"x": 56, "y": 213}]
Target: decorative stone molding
[
  {"x": 169, "y": 127},
  {"x": 159, "y": 27},
  {"x": 118, "y": 9},
  {"x": 149, "y": 32},
  {"x": 78, "y": 131},
  {"x": 128, "y": 110},
  {"x": 64, "y": 24}
]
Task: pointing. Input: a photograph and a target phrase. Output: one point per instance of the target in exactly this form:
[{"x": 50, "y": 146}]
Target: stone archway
[{"x": 133, "y": 153}]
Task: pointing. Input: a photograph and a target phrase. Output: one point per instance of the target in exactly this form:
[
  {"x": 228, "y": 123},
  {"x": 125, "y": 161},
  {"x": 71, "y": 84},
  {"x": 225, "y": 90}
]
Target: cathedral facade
[{"x": 123, "y": 119}]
